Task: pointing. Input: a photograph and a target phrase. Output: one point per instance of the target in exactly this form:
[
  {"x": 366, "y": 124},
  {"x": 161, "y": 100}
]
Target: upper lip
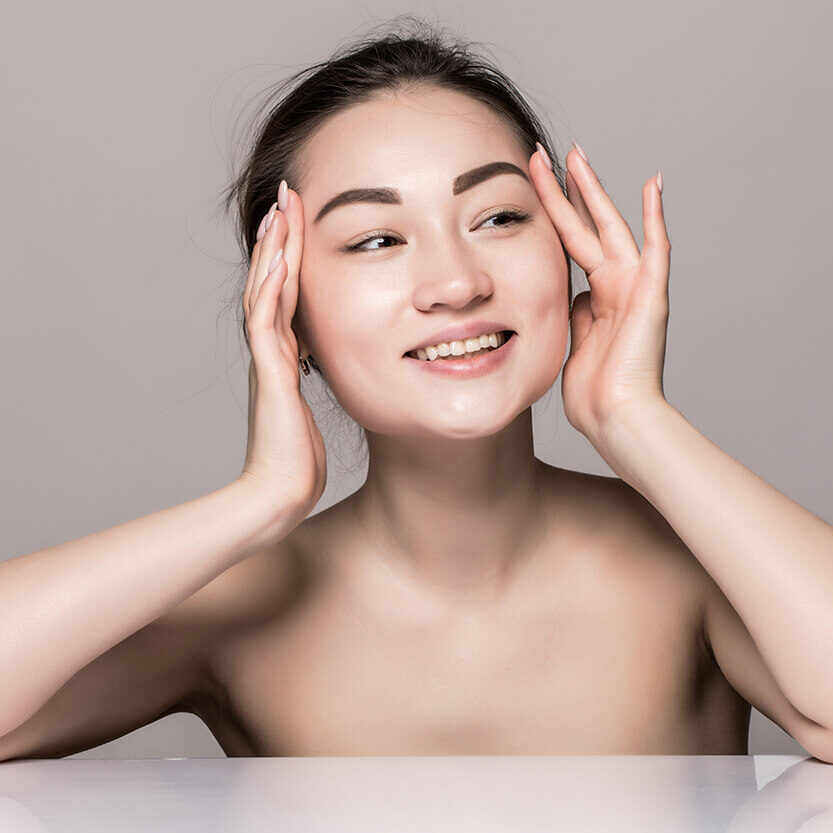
[{"x": 460, "y": 332}]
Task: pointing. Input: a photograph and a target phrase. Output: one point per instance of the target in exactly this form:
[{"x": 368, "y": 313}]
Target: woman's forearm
[
  {"x": 63, "y": 606},
  {"x": 771, "y": 557}
]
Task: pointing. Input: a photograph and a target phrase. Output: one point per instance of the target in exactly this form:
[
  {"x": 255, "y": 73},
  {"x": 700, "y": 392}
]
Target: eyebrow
[{"x": 390, "y": 195}]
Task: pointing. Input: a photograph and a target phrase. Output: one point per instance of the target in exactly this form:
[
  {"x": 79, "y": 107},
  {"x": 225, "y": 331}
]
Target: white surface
[{"x": 426, "y": 794}]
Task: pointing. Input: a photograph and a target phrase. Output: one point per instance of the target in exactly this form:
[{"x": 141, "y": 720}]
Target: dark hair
[{"x": 419, "y": 55}]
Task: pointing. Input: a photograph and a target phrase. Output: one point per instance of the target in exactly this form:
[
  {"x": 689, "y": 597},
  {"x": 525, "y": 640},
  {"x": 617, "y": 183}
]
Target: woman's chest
[{"x": 608, "y": 662}]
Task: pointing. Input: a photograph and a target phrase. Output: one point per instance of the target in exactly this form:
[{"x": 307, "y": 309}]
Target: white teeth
[{"x": 459, "y": 348}]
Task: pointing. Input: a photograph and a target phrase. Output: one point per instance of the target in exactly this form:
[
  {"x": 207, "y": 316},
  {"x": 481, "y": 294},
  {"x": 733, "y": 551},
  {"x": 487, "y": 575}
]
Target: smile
[
  {"x": 467, "y": 364},
  {"x": 450, "y": 350}
]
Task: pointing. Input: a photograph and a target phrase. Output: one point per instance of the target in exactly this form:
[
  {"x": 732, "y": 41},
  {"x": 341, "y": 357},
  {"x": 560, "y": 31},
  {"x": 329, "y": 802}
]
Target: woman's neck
[{"x": 458, "y": 517}]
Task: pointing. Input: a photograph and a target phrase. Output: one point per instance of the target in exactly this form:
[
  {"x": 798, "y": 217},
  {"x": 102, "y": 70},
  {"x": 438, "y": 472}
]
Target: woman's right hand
[{"x": 285, "y": 454}]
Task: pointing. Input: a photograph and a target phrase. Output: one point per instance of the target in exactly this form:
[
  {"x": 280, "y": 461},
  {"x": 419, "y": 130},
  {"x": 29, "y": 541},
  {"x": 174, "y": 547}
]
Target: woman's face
[{"x": 433, "y": 259}]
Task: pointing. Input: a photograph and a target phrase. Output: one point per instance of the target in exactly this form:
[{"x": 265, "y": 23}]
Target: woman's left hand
[{"x": 618, "y": 328}]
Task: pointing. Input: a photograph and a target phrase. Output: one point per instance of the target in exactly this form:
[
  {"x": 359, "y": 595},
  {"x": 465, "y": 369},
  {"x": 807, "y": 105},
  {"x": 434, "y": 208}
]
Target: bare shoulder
[
  {"x": 653, "y": 542},
  {"x": 256, "y": 587},
  {"x": 636, "y": 540},
  {"x": 647, "y": 532},
  {"x": 244, "y": 598},
  {"x": 611, "y": 504},
  {"x": 588, "y": 497}
]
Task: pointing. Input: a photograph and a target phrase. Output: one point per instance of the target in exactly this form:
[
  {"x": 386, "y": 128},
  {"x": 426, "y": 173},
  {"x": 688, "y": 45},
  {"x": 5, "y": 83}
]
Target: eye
[
  {"x": 513, "y": 217},
  {"x": 377, "y": 235}
]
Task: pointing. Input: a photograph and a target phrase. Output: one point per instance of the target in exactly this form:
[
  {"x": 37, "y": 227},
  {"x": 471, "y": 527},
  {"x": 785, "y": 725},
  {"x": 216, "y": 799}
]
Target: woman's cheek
[
  {"x": 315, "y": 311},
  {"x": 545, "y": 284},
  {"x": 547, "y": 310}
]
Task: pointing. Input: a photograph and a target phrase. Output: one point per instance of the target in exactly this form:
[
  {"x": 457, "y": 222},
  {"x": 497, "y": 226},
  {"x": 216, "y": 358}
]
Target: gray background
[{"x": 124, "y": 378}]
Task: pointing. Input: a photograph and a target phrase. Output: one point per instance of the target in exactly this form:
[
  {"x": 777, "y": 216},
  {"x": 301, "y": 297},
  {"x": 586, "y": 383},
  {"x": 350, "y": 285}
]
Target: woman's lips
[
  {"x": 465, "y": 368},
  {"x": 463, "y": 331},
  {"x": 506, "y": 333}
]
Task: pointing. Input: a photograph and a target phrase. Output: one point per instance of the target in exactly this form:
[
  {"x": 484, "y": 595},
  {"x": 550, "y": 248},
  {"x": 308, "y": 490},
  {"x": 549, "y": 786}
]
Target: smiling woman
[
  {"x": 468, "y": 598},
  {"x": 437, "y": 342},
  {"x": 411, "y": 56}
]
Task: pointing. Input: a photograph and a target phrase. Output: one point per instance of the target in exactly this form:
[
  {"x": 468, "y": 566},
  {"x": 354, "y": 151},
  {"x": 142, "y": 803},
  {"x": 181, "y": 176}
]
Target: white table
[{"x": 764, "y": 794}]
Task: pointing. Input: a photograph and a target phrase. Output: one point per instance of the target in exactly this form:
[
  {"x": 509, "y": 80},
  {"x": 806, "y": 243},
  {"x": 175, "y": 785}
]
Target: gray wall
[{"x": 124, "y": 382}]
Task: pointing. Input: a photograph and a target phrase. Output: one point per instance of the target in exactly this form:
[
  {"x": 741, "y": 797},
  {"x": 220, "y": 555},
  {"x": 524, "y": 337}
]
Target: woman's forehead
[{"x": 393, "y": 141}]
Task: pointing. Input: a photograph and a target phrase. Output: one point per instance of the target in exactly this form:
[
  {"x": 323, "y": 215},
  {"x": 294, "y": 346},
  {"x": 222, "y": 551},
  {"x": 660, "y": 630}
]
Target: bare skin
[
  {"x": 594, "y": 647},
  {"x": 468, "y": 599}
]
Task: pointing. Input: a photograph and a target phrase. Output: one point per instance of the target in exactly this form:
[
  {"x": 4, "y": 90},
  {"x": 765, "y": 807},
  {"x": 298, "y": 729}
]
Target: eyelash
[{"x": 516, "y": 217}]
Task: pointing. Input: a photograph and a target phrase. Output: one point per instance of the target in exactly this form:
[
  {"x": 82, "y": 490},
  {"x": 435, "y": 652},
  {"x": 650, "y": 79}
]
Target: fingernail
[
  {"x": 659, "y": 181},
  {"x": 544, "y": 155},
  {"x": 283, "y": 197},
  {"x": 261, "y": 229},
  {"x": 270, "y": 215},
  {"x": 583, "y": 155},
  {"x": 274, "y": 262}
]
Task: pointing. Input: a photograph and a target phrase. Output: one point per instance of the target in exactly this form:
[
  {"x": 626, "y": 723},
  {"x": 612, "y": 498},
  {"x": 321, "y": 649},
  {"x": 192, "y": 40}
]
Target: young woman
[{"x": 468, "y": 598}]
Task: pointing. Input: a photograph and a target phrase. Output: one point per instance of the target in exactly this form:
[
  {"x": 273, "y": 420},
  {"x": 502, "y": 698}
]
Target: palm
[
  {"x": 619, "y": 356},
  {"x": 618, "y": 328}
]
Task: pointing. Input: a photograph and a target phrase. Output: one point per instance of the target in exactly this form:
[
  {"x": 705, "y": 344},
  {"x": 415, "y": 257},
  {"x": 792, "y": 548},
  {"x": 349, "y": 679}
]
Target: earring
[{"x": 303, "y": 365}]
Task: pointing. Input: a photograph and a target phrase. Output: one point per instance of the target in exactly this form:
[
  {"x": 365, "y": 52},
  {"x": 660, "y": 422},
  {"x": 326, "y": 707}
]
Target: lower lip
[{"x": 466, "y": 368}]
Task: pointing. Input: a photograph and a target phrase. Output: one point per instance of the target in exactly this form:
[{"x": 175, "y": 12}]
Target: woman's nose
[{"x": 456, "y": 279}]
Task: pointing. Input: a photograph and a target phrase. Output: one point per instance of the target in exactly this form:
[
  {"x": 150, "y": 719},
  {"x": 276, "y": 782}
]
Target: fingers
[
  {"x": 614, "y": 233},
  {"x": 262, "y": 314},
  {"x": 293, "y": 250},
  {"x": 257, "y": 251},
  {"x": 581, "y": 242},
  {"x": 270, "y": 245},
  {"x": 274, "y": 355},
  {"x": 284, "y": 236},
  {"x": 656, "y": 249},
  {"x": 574, "y": 195}
]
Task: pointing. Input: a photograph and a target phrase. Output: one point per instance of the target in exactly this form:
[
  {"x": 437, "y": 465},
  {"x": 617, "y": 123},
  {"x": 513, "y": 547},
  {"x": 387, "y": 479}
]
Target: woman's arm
[
  {"x": 63, "y": 606},
  {"x": 771, "y": 557}
]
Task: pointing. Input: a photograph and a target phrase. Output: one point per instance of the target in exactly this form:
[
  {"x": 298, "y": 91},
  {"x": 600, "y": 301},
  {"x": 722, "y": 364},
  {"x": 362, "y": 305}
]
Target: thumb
[{"x": 580, "y": 320}]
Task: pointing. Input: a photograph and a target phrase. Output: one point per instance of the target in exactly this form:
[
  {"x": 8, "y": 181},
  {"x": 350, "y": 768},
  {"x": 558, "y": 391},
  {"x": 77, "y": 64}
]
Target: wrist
[
  {"x": 623, "y": 440},
  {"x": 275, "y": 516}
]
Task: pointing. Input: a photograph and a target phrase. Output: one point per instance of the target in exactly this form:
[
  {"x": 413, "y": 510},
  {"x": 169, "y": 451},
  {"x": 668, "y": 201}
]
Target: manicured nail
[
  {"x": 583, "y": 155},
  {"x": 274, "y": 262},
  {"x": 283, "y": 197},
  {"x": 270, "y": 215},
  {"x": 544, "y": 154},
  {"x": 261, "y": 229},
  {"x": 659, "y": 181}
]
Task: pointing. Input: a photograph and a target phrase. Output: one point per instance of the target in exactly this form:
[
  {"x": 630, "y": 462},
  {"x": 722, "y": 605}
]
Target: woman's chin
[{"x": 470, "y": 424}]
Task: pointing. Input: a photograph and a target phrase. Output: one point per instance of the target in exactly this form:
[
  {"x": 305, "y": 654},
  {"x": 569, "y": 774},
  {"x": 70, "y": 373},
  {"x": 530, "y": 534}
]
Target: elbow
[{"x": 819, "y": 744}]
